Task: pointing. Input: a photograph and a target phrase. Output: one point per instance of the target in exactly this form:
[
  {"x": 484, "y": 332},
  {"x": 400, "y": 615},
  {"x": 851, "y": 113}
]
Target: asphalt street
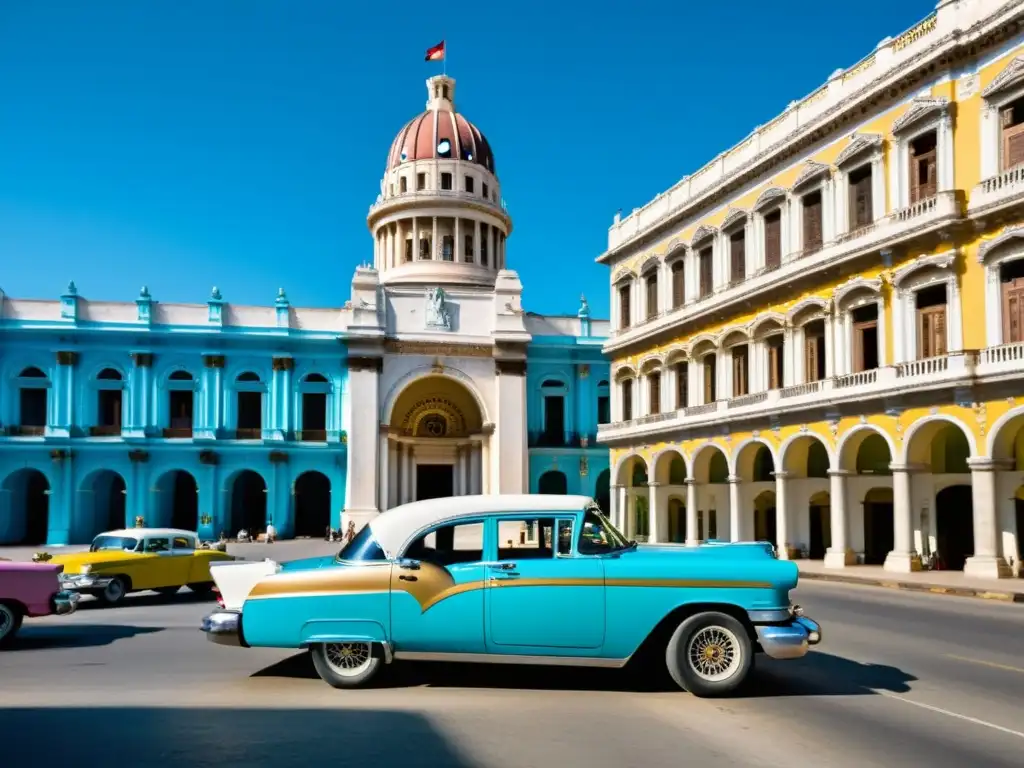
[{"x": 900, "y": 679}]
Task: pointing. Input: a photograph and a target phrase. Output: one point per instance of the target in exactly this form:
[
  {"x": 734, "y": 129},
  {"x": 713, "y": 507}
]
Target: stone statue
[{"x": 437, "y": 310}]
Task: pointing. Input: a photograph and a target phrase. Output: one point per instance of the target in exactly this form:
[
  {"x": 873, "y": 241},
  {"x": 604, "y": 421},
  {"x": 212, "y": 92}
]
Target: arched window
[
  {"x": 604, "y": 412},
  {"x": 314, "y": 391},
  {"x": 249, "y": 403},
  {"x": 109, "y": 403},
  {"x": 180, "y": 404},
  {"x": 33, "y": 402},
  {"x": 553, "y": 397}
]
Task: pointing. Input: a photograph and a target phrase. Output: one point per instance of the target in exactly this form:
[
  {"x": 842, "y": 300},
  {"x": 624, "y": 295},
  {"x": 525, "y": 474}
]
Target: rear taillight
[{"x": 220, "y": 599}]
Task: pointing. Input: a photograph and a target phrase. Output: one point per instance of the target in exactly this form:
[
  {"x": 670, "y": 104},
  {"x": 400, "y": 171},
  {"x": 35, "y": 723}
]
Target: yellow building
[{"x": 818, "y": 338}]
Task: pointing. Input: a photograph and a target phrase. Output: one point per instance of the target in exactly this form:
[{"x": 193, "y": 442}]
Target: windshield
[
  {"x": 103, "y": 543},
  {"x": 362, "y": 548},
  {"x": 599, "y": 535}
]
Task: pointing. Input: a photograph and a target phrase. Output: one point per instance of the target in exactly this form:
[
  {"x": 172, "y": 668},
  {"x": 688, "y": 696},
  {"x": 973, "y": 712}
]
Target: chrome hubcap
[
  {"x": 714, "y": 653},
  {"x": 348, "y": 659}
]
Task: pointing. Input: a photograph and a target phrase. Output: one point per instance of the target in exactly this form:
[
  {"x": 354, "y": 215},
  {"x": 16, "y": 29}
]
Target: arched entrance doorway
[
  {"x": 101, "y": 505},
  {"x": 819, "y": 525},
  {"x": 25, "y": 508},
  {"x": 954, "y": 526},
  {"x": 177, "y": 500},
  {"x": 435, "y": 441},
  {"x": 879, "y": 529},
  {"x": 248, "y": 503},
  {"x": 553, "y": 481},
  {"x": 312, "y": 504},
  {"x": 765, "y": 523}
]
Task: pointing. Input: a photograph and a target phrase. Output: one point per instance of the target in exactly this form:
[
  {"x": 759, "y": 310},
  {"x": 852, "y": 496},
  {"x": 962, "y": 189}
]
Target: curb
[{"x": 909, "y": 586}]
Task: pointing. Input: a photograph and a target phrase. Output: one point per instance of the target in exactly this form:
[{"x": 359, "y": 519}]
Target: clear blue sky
[{"x": 186, "y": 143}]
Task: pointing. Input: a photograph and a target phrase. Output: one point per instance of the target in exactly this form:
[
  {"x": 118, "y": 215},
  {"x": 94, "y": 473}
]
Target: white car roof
[
  {"x": 137, "y": 533},
  {"x": 392, "y": 528}
]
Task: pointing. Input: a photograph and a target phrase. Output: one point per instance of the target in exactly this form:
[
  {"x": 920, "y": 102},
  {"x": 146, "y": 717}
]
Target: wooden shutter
[
  {"x": 678, "y": 284},
  {"x": 1013, "y": 139},
  {"x": 812, "y": 222},
  {"x": 739, "y": 371},
  {"x": 655, "y": 392},
  {"x": 923, "y": 174},
  {"x": 707, "y": 274},
  {"x": 738, "y": 257},
  {"x": 1013, "y": 310},
  {"x": 709, "y": 379},
  {"x": 858, "y": 346},
  {"x": 773, "y": 240},
  {"x": 860, "y": 199},
  {"x": 811, "y": 358},
  {"x": 627, "y": 399},
  {"x": 624, "y": 308},
  {"x": 931, "y": 331},
  {"x": 682, "y": 385},
  {"x": 652, "y": 295},
  {"x": 774, "y": 365}
]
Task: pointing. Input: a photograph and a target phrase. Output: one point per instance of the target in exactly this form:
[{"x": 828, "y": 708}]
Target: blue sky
[{"x": 186, "y": 143}]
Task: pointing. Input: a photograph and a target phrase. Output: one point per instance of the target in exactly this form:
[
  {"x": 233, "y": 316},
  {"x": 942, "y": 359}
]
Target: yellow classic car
[{"x": 133, "y": 560}]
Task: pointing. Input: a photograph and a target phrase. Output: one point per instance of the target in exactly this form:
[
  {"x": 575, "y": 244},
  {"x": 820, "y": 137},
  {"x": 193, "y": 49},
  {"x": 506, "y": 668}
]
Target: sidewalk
[{"x": 936, "y": 582}]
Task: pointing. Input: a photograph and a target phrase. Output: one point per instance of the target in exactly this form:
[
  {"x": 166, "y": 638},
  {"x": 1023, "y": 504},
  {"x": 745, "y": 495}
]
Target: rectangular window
[
  {"x": 654, "y": 392},
  {"x": 707, "y": 272},
  {"x": 923, "y": 167},
  {"x": 531, "y": 539},
  {"x": 651, "y": 286},
  {"x": 109, "y": 409},
  {"x": 625, "y": 310},
  {"x": 447, "y": 248},
  {"x": 449, "y": 545},
  {"x": 865, "y": 338},
  {"x": 446, "y": 181},
  {"x": 181, "y": 402},
  {"x": 554, "y": 419},
  {"x": 740, "y": 369},
  {"x": 1011, "y": 277},
  {"x": 314, "y": 416},
  {"x": 1012, "y": 124},
  {"x": 710, "y": 365},
  {"x": 421, "y": 181},
  {"x": 424, "y": 248},
  {"x": 931, "y": 322},
  {"x": 776, "y": 358},
  {"x": 737, "y": 257},
  {"x": 469, "y": 184},
  {"x": 32, "y": 402},
  {"x": 627, "y": 399},
  {"x": 484, "y": 190},
  {"x": 678, "y": 284},
  {"x": 408, "y": 249},
  {"x": 403, "y": 185},
  {"x": 250, "y": 414},
  {"x": 682, "y": 385},
  {"x": 860, "y": 198},
  {"x": 484, "y": 239},
  {"x": 467, "y": 254},
  {"x": 773, "y": 240},
  {"x": 604, "y": 413},
  {"x": 812, "y": 222},
  {"x": 814, "y": 351}
]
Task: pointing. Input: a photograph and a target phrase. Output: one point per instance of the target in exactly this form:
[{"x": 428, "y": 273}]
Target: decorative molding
[
  {"x": 510, "y": 349},
  {"x": 676, "y": 250},
  {"x": 437, "y": 315},
  {"x": 805, "y": 304},
  {"x": 942, "y": 260},
  {"x": 859, "y": 144},
  {"x": 282, "y": 364},
  {"x": 769, "y": 197},
  {"x": 1007, "y": 235},
  {"x": 213, "y": 361},
  {"x": 765, "y": 317},
  {"x": 700, "y": 338},
  {"x": 918, "y": 110},
  {"x": 374, "y": 364},
  {"x": 584, "y": 370},
  {"x": 651, "y": 264},
  {"x": 623, "y": 371},
  {"x": 703, "y": 233},
  {"x": 622, "y": 275},
  {"x": 510, "y": 367},
  {"x": 734, "y": 216},
  {"x": 873, "y": 285},
  {"x": 143, "y": 359},
  {"x": 1011, "y": 76},
  {"x": 812, "y": 171},
  {"x": 646, "y": 362},
  {"x": 67, "y": 358},
  {"x": 435, "y": 349}
]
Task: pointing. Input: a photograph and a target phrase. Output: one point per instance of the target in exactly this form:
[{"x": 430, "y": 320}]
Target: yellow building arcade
[{"x": 818, "y": 338}]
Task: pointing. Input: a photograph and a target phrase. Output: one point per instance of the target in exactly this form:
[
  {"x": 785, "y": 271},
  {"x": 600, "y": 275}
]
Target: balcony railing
[
  {"x": 1000, "y": 191},
  {"x": 955, "y": 369},
  {"x": 26, "y": 430},
  {"x": 248, "y": 433},
  {"x": 898, "y": 227},
  {"x": 312, "y": 435}
]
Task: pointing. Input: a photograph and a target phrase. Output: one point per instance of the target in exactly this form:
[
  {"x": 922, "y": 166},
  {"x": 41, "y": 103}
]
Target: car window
[
  {"x": 449, "y": 544},
  {"x": 532, "y": 538},
  {"x": 363, "y": 548},
  {"x": 158, "y": 545},
  {"x": 182, "y": 542},
  {"x": 598, "y": 535},
  {"x": 105, "y": 543}
]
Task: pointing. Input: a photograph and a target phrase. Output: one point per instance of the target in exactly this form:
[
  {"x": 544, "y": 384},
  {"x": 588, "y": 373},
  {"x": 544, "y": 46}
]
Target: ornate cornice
[
  {"x": 622, "y": 275},
  {"x": 733, "y": 217},
  {"x": 812, "y": 170},
  {"x": 676, "y": 250},
  {"x": 857, "y": 283},
  {"x": 918, "y": 110},
  {"x": 433, "y": 349},
  {"x": 1011, "y": 76},
  {"x": 800, "y": 306},
  {"x": 703, "y": 233},
  {"x": 651, "y": 360},
  {"x": 860, "y": 143},
  {"x": 1006, "y": 236},
  {"x": 649, "y": 265},
  {"x": 623, "y": 371},
  {"x": 770, "y": 196},
  {"x": 943, "y": 260},
  {"x": 765, "y": 317}
]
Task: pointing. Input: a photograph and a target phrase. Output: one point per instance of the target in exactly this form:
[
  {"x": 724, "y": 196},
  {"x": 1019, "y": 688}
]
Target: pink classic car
[{"x": 30, "y": 589}]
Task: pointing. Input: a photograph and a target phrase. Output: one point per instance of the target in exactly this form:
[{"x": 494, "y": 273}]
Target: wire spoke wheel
[
  {"x": 348, "y": 659},
  {"x": 714, "y": 653}
]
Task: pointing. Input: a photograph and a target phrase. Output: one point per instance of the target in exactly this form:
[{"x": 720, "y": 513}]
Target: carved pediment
[
  {"x": 649, "y": 265},
  {"x": 623, "y": 274},
  {"x": 811, "y": 172},
  {"x": 943, "y": 260},
  {"x": 872, "y": 285},
  {"x": 860, "y": 143},
  {"x": 1009, "y": 235},
  {"x": 676, "y": 249},
  {"x": 770, "y": 196},
  {"x": 919, "y": 110},
  {"x": 733, "y": 217},
  {"x": 1011, "y": 77},
  {"x": 703, "y": 233}
]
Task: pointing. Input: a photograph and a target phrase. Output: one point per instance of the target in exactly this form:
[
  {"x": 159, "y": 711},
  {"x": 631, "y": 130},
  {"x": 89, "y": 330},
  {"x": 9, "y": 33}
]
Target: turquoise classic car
[{"x": 517, "y": 580}]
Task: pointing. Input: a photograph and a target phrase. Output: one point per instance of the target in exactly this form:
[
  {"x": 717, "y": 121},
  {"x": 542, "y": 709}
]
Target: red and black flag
[{"x": 436, "y": 52}]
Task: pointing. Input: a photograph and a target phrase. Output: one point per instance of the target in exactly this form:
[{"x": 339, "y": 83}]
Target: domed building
[{"x": 431, "y": 380}]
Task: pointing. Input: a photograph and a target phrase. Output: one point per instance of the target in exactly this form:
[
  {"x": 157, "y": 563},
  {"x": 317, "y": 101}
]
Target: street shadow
[
  {"x": 255, "y": 738},
  {"x": 817, "y": 674},
  {"x": 146, "y": 600},
  {"x": 73, "y": 636}
]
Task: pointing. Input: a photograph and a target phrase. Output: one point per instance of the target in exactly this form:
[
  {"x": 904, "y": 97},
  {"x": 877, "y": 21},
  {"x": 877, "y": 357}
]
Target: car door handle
[
  {"x": 403, "y": 577},
  {"x": 503, "y": 566}
]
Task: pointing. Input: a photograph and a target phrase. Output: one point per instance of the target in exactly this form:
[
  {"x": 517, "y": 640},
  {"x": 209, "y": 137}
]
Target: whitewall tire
[{"x": 710, "y": 654}]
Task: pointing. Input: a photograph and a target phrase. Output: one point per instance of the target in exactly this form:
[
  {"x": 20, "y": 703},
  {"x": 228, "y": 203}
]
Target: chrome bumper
[
  {"x": 790, "y": 640},
  {"x": 84, "y": 581},
  {"x": 64, "y": 603},
  {"x": 224, "y": 628}
]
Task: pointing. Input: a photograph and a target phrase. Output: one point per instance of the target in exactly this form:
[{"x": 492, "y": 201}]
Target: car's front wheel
[
  {"x": 345, "y": 665},
  {"x": 709, "y": 654},
  {"x": 10, "y": 623},
  {"x": 115, "y": 591}
]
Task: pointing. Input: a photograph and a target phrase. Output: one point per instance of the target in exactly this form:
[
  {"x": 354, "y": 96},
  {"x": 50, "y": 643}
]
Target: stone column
[
  {"x": 510, "y": 427},
  {"x": 735, "y": 507},
  {"x": 613, "y": 505},
  {"x": 903, "y": 558},
  {"x": 485, "y": 465},
  {"x": 394, "y": 473},
  {"x": 622, "y": 522},
  {"x": 839, "y": 554},
  {"x": 383, "y": 471},
  {"x": 363, "y": 439},
  {"x": 410, "y": 460},
  {"x": 692, "y": 526},
  {"x": 781, "y": 515},
  {"x": 403, "y": 474},
  {"x": 655, "y": 500},
  {"x": 986, "y": 562}
]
